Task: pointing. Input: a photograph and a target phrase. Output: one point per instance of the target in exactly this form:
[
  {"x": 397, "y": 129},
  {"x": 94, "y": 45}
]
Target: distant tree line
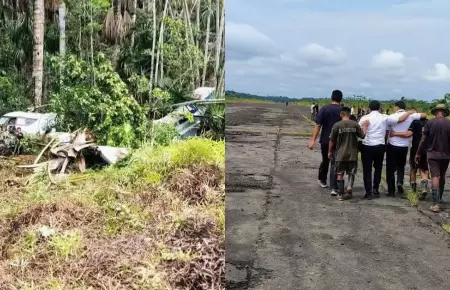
[{"x": 355, "y": 100}]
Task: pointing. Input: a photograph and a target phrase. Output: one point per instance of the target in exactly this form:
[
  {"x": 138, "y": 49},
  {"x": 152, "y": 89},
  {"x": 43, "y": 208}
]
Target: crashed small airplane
[{"x": 185, "y": 127}]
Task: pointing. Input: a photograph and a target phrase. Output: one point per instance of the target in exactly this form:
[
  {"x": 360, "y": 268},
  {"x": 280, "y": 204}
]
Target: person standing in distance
[
  {"x": 326, "y": 118},
  {"x": 344, "y": 149},
  {"x": 313, "y": 109},
  {"x": 374, "y": 146},
  {"x": 436, "y": 141},
  {"x": 397, "y": 149}
]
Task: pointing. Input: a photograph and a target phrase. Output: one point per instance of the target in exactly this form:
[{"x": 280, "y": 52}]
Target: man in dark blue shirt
[{"x": 325, "y": 120}]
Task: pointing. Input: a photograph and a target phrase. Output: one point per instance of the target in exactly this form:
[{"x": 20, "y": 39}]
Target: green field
[{"x": 355, "y": 101}]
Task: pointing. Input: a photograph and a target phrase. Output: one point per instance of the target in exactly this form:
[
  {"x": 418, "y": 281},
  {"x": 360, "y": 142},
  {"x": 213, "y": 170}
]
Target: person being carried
[
  {"x": 343, "y": 147},
  {"x": 436, "y": 141},
  {"x": 397, "y": 150},
  {"x": 415, "y": 130},
  {"x": 374, "y": 146}
]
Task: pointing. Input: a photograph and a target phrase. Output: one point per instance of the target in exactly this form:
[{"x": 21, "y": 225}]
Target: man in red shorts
[{"x": 436, "y": 142}]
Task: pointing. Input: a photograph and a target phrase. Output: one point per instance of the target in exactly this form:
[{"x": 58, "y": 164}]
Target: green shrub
[
  {"x": 150, "y": 165},
  {"x": 163, "y": 134},
  {"x": 96, "y": 98}
]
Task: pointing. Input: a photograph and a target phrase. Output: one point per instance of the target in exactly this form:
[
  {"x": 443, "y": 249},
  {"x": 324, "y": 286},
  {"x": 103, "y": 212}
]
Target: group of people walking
[{"x": 376, "y": 135}]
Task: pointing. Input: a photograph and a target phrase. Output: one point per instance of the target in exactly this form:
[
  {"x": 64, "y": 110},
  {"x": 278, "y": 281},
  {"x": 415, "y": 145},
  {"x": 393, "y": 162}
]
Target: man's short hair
[
  {"x": 400, "y": 104},
  {"x": 336, "y": 96},
  {"x": 345, "y": 110},
  {"x": 374, "y": 105}
]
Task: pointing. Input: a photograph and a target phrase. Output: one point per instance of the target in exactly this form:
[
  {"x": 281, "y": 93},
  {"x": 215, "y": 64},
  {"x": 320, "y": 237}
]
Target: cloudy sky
[{"x": 306, "y": 48}]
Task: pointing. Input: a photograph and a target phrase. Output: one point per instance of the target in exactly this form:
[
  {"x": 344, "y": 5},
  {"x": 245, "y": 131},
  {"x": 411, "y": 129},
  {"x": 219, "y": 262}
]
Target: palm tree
[
  {"x": 117, "y": 24},
  {"x": 38, "y": 50}
]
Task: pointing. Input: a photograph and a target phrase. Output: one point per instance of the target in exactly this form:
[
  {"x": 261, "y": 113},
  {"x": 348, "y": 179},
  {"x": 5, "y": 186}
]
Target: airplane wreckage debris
[{"x": 75, "y": 151}]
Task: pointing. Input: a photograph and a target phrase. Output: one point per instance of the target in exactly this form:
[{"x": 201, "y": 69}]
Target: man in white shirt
[
  {"x": 374, "y": 146},
  {"x": 312, "y": 111},
  {"x": 352, "y": 111},
  {"x": 397, "y": 149}
]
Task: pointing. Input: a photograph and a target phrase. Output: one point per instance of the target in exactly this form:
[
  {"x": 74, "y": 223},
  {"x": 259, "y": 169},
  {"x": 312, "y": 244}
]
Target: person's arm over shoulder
[
  {"x": 391, "y": 119},
  {"x": 396, "y": 118},
  {"x": 418, "y": 116}
]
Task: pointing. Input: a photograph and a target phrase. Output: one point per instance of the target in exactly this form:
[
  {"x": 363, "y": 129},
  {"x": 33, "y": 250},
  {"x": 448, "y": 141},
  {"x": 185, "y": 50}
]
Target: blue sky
[{"x": 306, "y": 48}]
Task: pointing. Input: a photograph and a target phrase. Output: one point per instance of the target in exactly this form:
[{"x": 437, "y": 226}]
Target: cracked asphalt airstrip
[{"x": 284, "y": 232}]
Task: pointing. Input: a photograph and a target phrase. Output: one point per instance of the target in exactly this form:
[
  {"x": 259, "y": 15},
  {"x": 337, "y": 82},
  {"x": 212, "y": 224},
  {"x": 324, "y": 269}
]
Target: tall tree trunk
[
  {"x": 91, "y": 36},
  {"x": 160, "y": 43},
  {"x": 190, "y": 39},
  {"x": 197, "y": 43},
  {"x": 117, "y": 27},
  {"x": 199, "y": 2},
  {"x": 206, "y": 52},
  {"x": 38, "y": 50},
  {"x": 152, "y": 64},
  {"x": 220, "y": 29},
  {"x": 62, "y": 29},
  {"x": 133, "y": 21}
]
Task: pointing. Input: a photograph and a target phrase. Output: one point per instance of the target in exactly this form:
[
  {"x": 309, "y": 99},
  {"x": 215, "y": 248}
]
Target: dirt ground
[{"x": 284, "y": 232}]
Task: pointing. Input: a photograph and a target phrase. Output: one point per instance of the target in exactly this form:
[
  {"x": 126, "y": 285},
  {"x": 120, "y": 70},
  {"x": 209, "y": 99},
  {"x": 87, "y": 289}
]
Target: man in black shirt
[
  {"x": 326, "y": 118},
  {"x": 415, "y": 130},
  {"x": 436, "y": 141}
]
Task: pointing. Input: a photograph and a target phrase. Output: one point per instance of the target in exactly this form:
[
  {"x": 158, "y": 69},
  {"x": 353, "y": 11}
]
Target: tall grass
[{"x": 148, "y": 213}]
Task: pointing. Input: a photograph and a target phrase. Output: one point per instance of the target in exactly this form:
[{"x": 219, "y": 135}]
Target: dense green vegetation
[
  {"x": 108, "y": 65},
  {"x": 156, "y": 219}
]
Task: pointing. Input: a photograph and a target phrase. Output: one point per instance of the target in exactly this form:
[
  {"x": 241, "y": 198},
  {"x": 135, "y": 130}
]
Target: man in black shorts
[
  {"x": 415, "y": 130},
  {"x": 343, "y": 148},
  {"x": 436, "y": 141}
]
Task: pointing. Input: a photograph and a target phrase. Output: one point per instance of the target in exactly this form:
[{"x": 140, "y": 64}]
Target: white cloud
[
  {"x": 388, "y": 59},
  {"x": 317, "y": 53},
  {"x": 243, "y": 41},
  {"x": 248, "y": 33},
  {"x": 440, "y": 73},
  {"x": 368, "y": 50}
]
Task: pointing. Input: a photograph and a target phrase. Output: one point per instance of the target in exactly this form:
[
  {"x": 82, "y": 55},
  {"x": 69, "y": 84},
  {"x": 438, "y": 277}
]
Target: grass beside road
[
  {"x": 232, "y": 100},
  {"x": 154, "y": 221}
]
